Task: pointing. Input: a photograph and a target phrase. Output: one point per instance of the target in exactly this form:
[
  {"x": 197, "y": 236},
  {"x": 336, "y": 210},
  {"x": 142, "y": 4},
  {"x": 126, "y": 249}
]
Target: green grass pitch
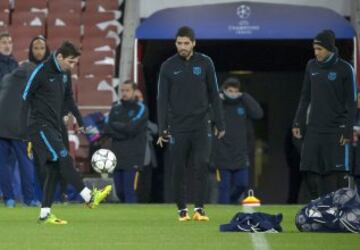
[{"x": 118, "y": 226}]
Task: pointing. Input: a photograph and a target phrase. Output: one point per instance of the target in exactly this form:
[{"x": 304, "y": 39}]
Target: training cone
[{"x": 251, "y": 200}]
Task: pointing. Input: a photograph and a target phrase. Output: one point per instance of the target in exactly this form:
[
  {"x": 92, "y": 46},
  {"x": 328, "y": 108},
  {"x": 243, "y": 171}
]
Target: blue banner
[{"x": 246, "y": 20}]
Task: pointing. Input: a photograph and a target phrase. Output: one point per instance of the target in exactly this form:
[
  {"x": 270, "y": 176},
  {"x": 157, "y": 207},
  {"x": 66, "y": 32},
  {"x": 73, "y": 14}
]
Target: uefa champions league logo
[
  {"x": 245, "y": 25},
  {"x": 243, "y": 11}
]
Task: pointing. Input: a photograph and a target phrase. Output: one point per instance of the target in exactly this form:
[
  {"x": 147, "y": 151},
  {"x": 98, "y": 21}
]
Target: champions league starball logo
[
  {"x": 243, "y": 11},
  {"x": 244, "y": 26}
]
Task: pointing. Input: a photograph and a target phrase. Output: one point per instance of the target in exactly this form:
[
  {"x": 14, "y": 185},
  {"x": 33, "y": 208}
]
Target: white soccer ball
[{"x": 103, "y": 161}]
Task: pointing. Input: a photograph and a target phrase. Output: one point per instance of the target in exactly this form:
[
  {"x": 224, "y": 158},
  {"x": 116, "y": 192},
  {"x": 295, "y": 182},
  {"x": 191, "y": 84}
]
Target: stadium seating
[
  {"x": 21, "y": 32},
  {"x": 21, "y": 55},
  {"x": 4, "y": 18},
  {"x": 98, "y": 24},
  {"x": 30, "y": 5},
  {"x": 97, "y": 64},
  {"x": 98, "y": 44},
  {"x": 56, "y": 42},
  {"x": 64, "y": 6},
  {"x": 101, "y": 5},
  {"x": 4, "y": 5},
  {"x": 63, "y": 27},
  {"x": 89, "y": 95},
  {"x": 4, "y": 28},
  {"x": 28, "y": 19},
  {"x": 22, "y": 36},
  {"x": 63, "y": 19}
]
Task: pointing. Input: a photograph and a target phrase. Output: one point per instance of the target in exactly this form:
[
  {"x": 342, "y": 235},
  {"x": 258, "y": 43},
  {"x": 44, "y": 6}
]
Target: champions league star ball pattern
[
  {"x": 243, "y": 11},
  {"x": 103, "y": 161},
  {"x": 338, "y": 211}
]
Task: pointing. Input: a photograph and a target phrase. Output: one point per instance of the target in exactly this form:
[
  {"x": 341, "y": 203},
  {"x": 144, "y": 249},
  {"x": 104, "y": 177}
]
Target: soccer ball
[{"x": 103, "y": 161}]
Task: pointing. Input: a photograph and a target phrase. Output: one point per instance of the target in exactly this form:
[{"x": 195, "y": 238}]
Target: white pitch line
[{"x": 258, "y": 239}]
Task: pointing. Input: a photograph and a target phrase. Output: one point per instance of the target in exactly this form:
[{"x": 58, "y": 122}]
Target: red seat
[
  {"x": 92, "y": 56},
  {"x": 95, "y": 18},
  {"x": 21, "y": 54},
  {"x": 98, "y": 24},
  {"x": 93, "y": 31},
  {"x": 4, "y": 28},
  {"x": 55, "y": 42},
  {"x": 95, "y": 98},
  {"x": 88, "y": 95},
  {"x": 63, "y": 6},
  {"x": 28, "y": 19},
  {"x": 92, "y": 43},
  {"x": 22, "y": 35},
  {"x": 93, "y": 83},
  {"x": 4, "y": 5},
  {"x": 30, "y": 5},
  {"x": 96, "y": 5},
  {"x": 25, "y": 31},
  {"x": 69, "y": 19},
  {"x": 106, "y": 71},
  {"x": 64, "y": 33},
  {"x": 92, "y": 63},
  {"x": 4, "y": 18}
]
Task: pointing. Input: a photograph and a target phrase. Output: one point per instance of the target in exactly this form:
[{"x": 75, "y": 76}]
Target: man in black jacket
[
  {"x": 330, "y": 89},
  {"x": 48, "y": 91},
  {"x": 7, "y": 61},
  {"x": 13, "y": 128},
  {"x": 127, "y": 126},
  {"x": 231, "y": 156},
  {"x": 187, "y": 87},
  {"x": 7, "y": 147}
]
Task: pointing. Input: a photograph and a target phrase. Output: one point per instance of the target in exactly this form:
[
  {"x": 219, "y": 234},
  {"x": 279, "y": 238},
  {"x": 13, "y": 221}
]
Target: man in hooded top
[
  {"x": 13, "y": 130},
  {"x": 329, "y": 93}
]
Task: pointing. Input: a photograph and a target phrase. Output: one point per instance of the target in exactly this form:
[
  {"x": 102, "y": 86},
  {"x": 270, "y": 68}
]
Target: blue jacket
[
  {"x": 127, "y": 127},
  {"x": 253, "y": 222},
  {"x": 330, "y": 87},
  {"x": 7, "y": 64},
  {"x": 231, "y": 152},
  {"x": 11, "y": 105},
  {"x": 186, "y": 89},
  {"x": 48, "y": 91}
]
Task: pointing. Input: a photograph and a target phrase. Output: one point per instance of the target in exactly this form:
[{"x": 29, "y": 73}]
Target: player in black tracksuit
[
  {"x": 127, "y": 128},
  {"x": 330, "y": 89},
  {"x": 187, "y": 87},
  {"x": 41, "y": 173},
  {"x": 230, "y": 154},
  {"x": 48, "y": 92},
  {"x": 72, "y": 108}
]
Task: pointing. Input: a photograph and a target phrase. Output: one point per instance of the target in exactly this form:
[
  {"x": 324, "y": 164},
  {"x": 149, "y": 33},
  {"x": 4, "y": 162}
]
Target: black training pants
[
  {"x": 53, "y": 159},
  {"x": 190, "y": 148},
  {"x": 319, "y": 185}
]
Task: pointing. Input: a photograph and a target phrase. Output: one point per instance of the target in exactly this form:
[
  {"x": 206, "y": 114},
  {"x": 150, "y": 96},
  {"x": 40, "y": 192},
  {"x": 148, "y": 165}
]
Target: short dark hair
[
  {"x": 132, "y": 83},
  {"x": 187, "y": 32},
  {"x": 4, "y": 34},
  {"x": 68, "y": 49},
  {"x": 231, "y": 82}
]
